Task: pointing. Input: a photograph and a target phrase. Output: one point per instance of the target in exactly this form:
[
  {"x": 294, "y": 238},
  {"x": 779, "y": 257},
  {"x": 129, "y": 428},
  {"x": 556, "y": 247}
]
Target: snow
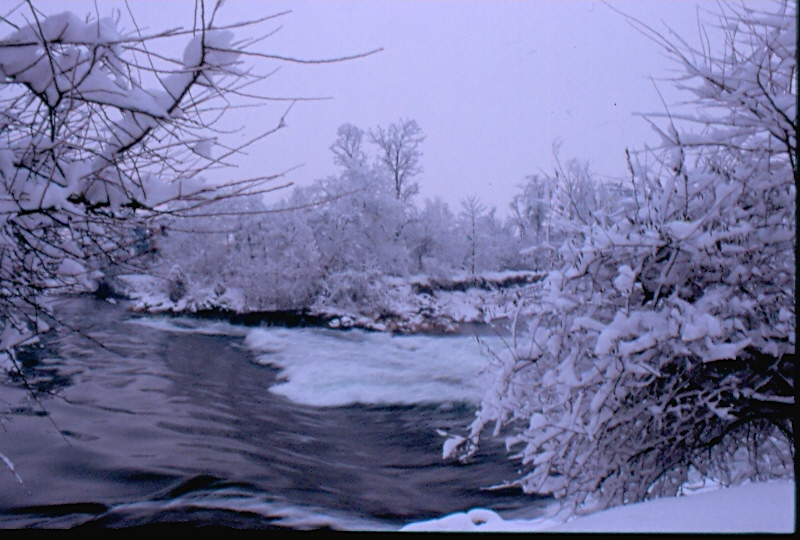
[
  {"x": 767, "y": 507},
  {"x": 149, "y": 294},
  {"x": 412, "y": 308}
]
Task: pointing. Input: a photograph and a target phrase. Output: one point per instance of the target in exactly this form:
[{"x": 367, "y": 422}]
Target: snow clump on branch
[{"x": 100, "y": 137}]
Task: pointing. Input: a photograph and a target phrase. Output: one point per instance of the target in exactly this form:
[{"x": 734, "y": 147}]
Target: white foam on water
[
  {"x": 331, "y": 368},
  {"x": 283, "y": 513},
  {"x": 187, "y": 325}
]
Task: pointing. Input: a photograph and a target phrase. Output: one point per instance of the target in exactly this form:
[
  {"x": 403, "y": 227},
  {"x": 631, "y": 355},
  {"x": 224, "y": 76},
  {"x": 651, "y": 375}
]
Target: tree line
[{"x": 337, "y": 238}]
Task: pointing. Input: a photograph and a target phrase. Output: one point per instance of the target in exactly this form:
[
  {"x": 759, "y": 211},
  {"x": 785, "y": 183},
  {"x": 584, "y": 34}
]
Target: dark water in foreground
[{"x": 145, "y": 427}]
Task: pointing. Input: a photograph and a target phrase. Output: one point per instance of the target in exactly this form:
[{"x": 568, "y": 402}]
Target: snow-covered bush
[
  {"x": 356, "y": 217},
  {"x": 665, "y": 339},
  {"x": 351, "y": 291},
  {"x": 266, "y": 254},
  {"x": 101, "y": 135},
  {"x": 275, "y": 262},
  {"x": 531, "y": 219},
  {"x": 177, "y": 283},
  {"x": 436, "y": 243},
  {"x": 549, "y": 209}
]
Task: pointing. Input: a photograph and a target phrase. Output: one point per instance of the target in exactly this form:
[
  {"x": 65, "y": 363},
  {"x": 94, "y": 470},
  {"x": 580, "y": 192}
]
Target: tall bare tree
[
  {"x": 348, "y": 151},
  {"x": 399, "y": 152}
]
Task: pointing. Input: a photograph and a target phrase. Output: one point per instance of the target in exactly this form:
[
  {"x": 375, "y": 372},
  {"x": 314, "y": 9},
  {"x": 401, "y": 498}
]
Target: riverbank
[{"x": 418, "y": 304}]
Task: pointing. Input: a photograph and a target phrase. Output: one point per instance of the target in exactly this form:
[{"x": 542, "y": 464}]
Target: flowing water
[{"x": 132, "y": 420}]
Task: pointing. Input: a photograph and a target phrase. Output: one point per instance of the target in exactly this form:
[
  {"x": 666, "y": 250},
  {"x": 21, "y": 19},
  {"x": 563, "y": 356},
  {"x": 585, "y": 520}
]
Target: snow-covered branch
[
  {"x": 665, "y": 337},
  {"x": 101, "y": 134}
]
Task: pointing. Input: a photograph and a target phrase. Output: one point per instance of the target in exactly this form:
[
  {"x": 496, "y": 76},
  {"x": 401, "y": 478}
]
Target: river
[{"x": 135, "y": 420}]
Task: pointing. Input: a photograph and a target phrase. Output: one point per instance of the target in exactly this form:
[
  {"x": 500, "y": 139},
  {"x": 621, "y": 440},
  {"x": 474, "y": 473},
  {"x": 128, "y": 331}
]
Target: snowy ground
[{"x": 767, "y": 507}]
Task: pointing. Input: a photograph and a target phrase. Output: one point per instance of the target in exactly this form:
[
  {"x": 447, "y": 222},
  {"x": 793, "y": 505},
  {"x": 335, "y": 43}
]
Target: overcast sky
[{"x": 492, "y": 84}]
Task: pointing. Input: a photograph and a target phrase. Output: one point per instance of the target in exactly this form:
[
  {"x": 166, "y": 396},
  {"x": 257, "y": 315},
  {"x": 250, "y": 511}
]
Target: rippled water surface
[{"x": 133, "y": 420}]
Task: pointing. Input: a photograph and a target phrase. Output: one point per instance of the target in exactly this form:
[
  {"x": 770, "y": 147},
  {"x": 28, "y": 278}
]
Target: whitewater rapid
[{"x": 325, "y": 367}]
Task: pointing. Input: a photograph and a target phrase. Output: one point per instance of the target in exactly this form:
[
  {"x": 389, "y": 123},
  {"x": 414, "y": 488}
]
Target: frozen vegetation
[
  {"x": 413, "y": 304},
  {"x": 652, "y": 318}
]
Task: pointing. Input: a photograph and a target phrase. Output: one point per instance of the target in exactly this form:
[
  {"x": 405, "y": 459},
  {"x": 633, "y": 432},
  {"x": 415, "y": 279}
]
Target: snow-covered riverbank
[
  {"x": 417, "y": 304},
  {"x": 766, "y": 507}
]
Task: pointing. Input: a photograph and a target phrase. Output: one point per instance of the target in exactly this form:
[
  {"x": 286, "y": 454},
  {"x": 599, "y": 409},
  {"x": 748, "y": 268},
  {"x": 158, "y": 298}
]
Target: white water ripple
[{"x": 334, "y": 368}]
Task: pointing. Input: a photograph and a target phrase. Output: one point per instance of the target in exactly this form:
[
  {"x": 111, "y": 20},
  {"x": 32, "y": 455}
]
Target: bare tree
[
  {"x": 347, "y": 150},
  {"x": 472, "y": 213},
  {"x": 400, "y": 154}
]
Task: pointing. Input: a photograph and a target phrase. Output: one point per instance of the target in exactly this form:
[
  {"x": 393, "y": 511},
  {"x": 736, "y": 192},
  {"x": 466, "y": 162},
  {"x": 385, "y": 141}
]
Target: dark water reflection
[{"x": 155, "y": 426}]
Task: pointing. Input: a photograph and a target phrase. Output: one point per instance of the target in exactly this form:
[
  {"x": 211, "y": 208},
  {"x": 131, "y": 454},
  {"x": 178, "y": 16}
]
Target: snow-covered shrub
[
  {"x": 490, "y": 246},
  {"x": 531, "y": 219},
  {"x": 275, "y": 262},
  {"x": 101, "y": 135},
  {"x": 666, "y": 337},
  {"x": 435, "y": 242},
  {"x": 549, "y": 209},
  {"x": 267, "y": 254},
  {"x": 177, "y": 284},
  {"x": 353, "y": 292}
]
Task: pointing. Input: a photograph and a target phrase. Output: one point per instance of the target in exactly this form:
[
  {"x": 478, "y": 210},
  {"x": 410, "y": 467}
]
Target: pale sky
[{"x": 492, "y": 84}]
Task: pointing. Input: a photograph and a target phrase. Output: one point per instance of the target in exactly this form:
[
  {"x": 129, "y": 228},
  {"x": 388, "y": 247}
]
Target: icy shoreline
[{"x": 416, "y": 305}]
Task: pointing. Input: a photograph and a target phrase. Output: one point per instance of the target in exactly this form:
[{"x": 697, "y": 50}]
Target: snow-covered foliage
[
  {"x": 665, "y": 337},
  {"x": 358, "y": 224},
  {"x": 269, "y": 257},
  {"x": 532, "y": 219},
  {"x": 337, "y": 246},
  {"x": 101, "y": 134},
  {"x": 490, "y": 245},
  {"x": 436, "y": 245}
]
